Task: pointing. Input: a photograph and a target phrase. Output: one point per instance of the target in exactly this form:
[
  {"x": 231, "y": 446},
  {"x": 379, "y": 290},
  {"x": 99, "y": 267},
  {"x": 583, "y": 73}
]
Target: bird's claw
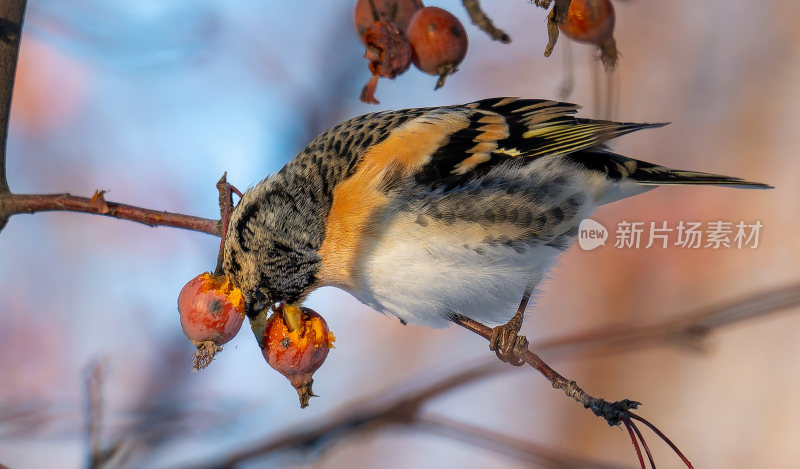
[{"x": 509, "y": 346}]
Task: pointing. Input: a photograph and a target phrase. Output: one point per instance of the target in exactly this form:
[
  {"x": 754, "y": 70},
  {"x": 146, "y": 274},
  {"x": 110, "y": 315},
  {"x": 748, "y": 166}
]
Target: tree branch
[
  {"x": 11, "y": 15},
  {"x": 612, "y": 412},
  {"x": 11, "y": 204}
]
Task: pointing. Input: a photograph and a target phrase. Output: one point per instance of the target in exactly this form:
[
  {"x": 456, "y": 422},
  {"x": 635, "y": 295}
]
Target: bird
[{"x": 429, "y": 214}]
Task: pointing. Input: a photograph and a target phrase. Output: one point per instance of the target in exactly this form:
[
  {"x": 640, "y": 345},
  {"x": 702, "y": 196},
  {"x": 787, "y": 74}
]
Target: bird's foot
[{"x": 506, "y": 342}]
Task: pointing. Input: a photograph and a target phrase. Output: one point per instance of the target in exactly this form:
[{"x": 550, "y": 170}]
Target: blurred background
[{"x": 153, "y": 100}]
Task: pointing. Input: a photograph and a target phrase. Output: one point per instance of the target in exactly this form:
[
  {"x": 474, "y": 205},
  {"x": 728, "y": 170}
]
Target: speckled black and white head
[{"x": 271, "y": 250}]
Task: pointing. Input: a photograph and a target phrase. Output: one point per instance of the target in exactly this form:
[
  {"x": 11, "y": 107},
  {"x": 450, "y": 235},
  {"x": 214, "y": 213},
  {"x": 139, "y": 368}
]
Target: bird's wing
[
  {"x": 449, "y": 146},
  {"x": 495, "y": 130}
]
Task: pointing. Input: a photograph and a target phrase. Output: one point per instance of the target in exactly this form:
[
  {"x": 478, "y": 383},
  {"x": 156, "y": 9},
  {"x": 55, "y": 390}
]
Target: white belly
[{"x": 421, "y": 275}]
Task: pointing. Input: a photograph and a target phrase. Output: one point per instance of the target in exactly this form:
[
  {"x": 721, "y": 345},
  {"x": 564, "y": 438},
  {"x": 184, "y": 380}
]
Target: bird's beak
[{"x": 292, "y": 316}]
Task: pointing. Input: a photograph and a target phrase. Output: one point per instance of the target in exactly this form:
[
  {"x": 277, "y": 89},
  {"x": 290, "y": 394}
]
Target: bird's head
[{"x": 271, "y": 246}]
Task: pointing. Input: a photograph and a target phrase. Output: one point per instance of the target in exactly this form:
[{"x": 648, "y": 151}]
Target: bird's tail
[
  {"x": 620, "y": 168},
  {"x": 659, "y": 175}
]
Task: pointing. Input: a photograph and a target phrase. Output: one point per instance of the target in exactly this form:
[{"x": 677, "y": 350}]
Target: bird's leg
[{"x": 506, "y": 341}]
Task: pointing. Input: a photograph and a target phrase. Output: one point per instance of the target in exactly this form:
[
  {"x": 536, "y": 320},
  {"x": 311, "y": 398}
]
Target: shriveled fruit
[
  {"x": 439, "y": 42},
  {"x": 211, "y": 312},
  {"x": 298, "y": 353},
  {"x": 592, "y": 21},
  {"x": 397, "y": 12},
  {"x": 389, "y": 55}
]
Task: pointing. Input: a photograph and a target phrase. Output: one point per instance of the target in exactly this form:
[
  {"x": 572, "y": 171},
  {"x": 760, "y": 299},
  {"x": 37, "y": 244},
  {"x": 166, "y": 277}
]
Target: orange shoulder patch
[
  {"x": 412, "y": 144},
  {"x": 356, "y": 200}
]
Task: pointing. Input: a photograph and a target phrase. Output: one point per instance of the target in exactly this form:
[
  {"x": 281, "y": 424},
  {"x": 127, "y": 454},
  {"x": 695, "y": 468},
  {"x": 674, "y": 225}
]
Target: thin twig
[
  {"x": 552, "y": 33},
  {"x": 612, "y": 412},
  {"x": 663, "y": 437},
  {"x": 225, "y": 203},
  {"x": 12, "y": 204},
  {"x": 556, "y": 16},
  {"x": 644, "y": 444},
  {"x": 482, "y": 21},
  {"x": 638, "y": 450}
]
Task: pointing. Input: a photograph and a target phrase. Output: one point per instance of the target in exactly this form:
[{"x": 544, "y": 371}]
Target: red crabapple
[
  {"x": 592, "y": 21},
  {"x": 211, "y": 312},
  {"x": 439, "y": 42}
]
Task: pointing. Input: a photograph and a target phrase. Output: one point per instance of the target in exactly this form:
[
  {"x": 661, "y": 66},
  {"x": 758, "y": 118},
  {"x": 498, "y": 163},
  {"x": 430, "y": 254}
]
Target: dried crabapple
[
  {"x": 389, "y": 55},
  {"x": 211, "y": 313},
  {"x": 397, "y": 12},
  {"x": 298, "y": 353},
  {"x": 592, "y": 21},
  {"x": 439, "y": 42}
]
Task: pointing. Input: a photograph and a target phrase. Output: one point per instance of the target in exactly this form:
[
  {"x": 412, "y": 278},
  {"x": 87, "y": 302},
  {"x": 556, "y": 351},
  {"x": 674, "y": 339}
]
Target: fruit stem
[
  {"x": 552, "y": 32},
  {"x": 304, "y": 391},
  {"x": 444, "y": 71},
  {"x": 204, "y": 355}
]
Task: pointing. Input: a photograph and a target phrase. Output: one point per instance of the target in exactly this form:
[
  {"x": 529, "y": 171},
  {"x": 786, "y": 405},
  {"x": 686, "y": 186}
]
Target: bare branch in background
[
  {"x": 11, "y": 15},
  {"x": 507, "y": 445},
  {"x": 94, "y": 413},
  {"x": 689, "y": 330},
  {"x": 23, "y": 418},
  {"x": 98, "y": 456},
  {"x": 379, "y": 411}
]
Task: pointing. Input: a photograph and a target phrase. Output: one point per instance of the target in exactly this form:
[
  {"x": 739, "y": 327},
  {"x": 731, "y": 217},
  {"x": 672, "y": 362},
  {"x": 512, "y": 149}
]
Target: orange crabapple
[{"x": 297, "y": 353}]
